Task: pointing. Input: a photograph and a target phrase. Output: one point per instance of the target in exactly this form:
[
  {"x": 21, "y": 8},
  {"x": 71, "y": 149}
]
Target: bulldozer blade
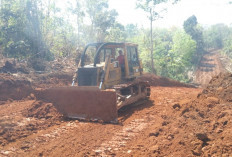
[{"x": 89, "y": 103}]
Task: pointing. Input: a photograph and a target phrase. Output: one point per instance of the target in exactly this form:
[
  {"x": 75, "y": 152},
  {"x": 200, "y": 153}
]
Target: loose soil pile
[
  {"x": 41, "y": 74},
  {"x": 28, "y": 117},
  {"x": 41, "y": 110},
  {"x": 53, "y": 80},
  {"x": 162, "y": 81},
  {"x": 206, "y": 123},
  {"x": 14, "y": 88},
  {"x": 13, "y": 67},
  {"x": 220, "y": 87},
  {"x": 199, "y": 126}
]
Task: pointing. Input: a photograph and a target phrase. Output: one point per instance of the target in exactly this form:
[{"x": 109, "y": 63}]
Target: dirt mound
[
  {"x": 9, "y": 67},
  {"x": 220, "y": 87},
  {"x": 53, "y": 80},
  {"x": 37, "y": 64},
  {"x": 206, "y": 123},
  {"x": 41, "y": 110},
  {"x": 13, "y": 88},
  {"x": 162, "y": 81},
  {"x": 13, "y": 67},
  {"x": 205, "y": 128},
  {"x": 21, "y": 119}
]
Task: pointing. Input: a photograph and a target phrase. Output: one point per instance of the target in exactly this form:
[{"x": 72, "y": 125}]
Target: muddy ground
[{"x": 179, "y": 119}]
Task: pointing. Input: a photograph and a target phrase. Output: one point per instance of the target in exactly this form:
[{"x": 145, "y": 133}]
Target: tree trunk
[
  {"x": 78, "y": 24},
  {"x": 152, "y": 60}
]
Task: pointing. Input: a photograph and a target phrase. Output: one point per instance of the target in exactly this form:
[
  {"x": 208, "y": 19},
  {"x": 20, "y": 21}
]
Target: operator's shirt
[{"x": 121, "y": 59}]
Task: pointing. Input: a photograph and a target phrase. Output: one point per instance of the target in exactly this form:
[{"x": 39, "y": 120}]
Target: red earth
[{"x": 178, "y": 120}]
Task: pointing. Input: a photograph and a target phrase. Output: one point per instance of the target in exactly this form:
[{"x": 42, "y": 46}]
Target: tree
[
  {"x": 215, "y": 36},
  {"x": 11, "y": 28},
  {"x": 33, "y": 31},
  {"x": 228, "y": 46},
  {"x": 101, "y": 19},
  {"x": 150, "y": 6},
  {"x": 173, "y": 53},
  {"x": 77, "y": 10},
  {"x": 21, "y": 29},
  {"x": 131, "y": 30},
  {"x": 192, "y": 28},
  {"x": 116, "y": 33},
  {"x": 181, "y": 55}
]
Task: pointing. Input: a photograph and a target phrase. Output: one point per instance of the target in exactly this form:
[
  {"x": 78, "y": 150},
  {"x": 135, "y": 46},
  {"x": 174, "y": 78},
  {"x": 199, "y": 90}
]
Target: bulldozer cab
[
  {"x": 100, "y": 64},
  {"x": 133, "y": 61}
]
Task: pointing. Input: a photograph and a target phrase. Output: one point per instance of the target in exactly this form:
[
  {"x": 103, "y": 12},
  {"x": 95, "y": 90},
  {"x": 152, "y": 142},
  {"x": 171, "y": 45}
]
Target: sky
[{"x": 208, "y": 12}]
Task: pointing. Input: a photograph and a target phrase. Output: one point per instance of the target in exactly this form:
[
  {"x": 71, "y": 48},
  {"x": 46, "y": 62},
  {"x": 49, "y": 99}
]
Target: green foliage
[
  {"x": 60, "y": 37},
  {"x": 192, "y": 28},
  {"x": 216, "y": 35},
  {"x": 219, "y": 36},
  {"x": 9, "y": 27},
  {"x": 181, "y": 55},
  {"x": 20, "y": 29},
  {"x": 39, "y": 29},
  {"x": 102, "y": 19},
  {"x": 173, "y": 53},
  {"x": 131, "y": 30},
  {"x": 116, "y": 33},
  {"x": 35, "y": 29},
  {"x": 154, "y": 12},
  {"x": 228, "y": 46}
]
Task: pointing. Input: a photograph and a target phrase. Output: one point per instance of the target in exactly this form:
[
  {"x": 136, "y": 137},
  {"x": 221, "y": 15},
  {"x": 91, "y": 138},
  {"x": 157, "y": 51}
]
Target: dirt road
[
  {"x": 74, "y": 138},
  {"x": 210, "y": 66}
]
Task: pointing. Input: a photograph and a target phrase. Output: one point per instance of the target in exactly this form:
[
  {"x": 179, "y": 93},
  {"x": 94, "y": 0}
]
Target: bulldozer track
[{"x": 131, "y": 92}]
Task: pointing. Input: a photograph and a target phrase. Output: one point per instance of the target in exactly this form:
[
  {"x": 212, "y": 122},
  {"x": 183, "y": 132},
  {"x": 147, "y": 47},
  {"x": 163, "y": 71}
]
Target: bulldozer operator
[{"x": 121, "y": 61}]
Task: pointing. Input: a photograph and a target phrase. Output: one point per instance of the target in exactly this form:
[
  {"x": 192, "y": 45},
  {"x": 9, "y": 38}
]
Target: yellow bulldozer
[{"x": 102, "y": 84}]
